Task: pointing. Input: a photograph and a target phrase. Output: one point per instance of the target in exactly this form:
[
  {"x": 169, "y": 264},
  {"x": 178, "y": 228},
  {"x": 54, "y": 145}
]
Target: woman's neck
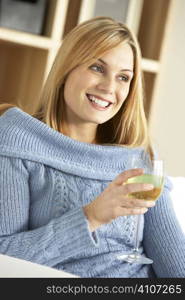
[{"x": 81, "y": 133}]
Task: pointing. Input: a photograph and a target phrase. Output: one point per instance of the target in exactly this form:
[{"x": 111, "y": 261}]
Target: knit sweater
[{"x": 45, "y": 180}]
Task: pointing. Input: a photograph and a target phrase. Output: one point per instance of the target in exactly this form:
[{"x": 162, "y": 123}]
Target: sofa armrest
[{"x": 178, "y": 198}]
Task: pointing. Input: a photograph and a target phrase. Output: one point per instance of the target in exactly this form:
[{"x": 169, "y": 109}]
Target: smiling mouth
[{"x": 98, "y": 103}]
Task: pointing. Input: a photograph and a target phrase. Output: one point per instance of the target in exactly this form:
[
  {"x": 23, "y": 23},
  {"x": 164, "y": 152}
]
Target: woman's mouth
[{"x": 98, "y": 103}]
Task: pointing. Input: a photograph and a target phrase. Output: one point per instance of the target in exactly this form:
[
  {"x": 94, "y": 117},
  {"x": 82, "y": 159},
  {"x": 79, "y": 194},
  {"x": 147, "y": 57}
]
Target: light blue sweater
[{"x": 46, "y": 178}]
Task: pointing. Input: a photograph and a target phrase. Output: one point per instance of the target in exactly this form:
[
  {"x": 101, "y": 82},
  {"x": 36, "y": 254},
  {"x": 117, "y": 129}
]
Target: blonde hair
[{"x": 84, "y": 44}]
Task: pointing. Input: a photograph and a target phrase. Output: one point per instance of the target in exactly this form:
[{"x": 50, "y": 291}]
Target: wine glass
[{"x": 153, "y": 174}]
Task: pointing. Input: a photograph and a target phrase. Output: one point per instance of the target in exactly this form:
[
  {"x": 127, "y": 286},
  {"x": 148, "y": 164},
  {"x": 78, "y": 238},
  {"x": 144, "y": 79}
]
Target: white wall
[{"x": 168, "y": 113}]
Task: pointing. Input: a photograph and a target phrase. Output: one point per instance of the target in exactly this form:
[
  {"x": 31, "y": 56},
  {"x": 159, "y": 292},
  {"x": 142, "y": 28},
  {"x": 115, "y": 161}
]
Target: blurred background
[{"x": 32, "y": 30}]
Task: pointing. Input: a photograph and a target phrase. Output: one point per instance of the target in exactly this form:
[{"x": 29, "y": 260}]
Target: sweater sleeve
[
  {"x": 60, "y": 239},
  {"x": 164, "y": 240}
]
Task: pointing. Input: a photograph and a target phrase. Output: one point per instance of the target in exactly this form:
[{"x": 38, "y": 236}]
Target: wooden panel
[
  {"x": 59, "y": 19},
  {"x": 55, "y": 18},
  {"x": 26, "y": 39},
  {"x": 49, "y": 17},
  {"x": 134, "y": 14},
  {"x": 21, "y": 74},
  {"x": 86, "y": 10},
  {"x": 72, "y": 15},
  {"x": 150, "y": 65},
  {"x": 149, "y": 82},
  {"x": 152, "y": 27}
]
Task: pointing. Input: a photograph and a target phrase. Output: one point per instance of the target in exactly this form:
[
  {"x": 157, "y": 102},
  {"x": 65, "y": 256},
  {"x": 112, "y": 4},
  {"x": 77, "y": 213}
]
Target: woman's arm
[
  {"x": 62, "y": 238},
  {"x": 164, "y": 240}
]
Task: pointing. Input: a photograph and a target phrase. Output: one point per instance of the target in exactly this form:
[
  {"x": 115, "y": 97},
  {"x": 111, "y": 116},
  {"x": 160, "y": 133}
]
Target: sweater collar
[{"x": 23, "y": 136}]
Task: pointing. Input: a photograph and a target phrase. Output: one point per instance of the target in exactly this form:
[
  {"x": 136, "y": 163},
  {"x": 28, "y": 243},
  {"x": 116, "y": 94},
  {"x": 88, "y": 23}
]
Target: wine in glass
[{"x": 153, "y": 175}]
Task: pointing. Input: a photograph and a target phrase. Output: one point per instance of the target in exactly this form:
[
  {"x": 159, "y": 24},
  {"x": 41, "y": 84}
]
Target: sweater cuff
[{"x": 72, "y": 233}]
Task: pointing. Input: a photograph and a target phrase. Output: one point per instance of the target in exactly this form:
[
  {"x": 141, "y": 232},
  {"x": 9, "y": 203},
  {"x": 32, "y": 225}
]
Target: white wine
[{"x": 153, "y": 194}]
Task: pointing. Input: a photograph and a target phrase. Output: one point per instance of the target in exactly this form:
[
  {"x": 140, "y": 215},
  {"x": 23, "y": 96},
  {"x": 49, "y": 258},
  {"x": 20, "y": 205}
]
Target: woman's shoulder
[
  {"x": 10, "y": 113},
  {"x": 25, "y": 137},
  {"x": 8, "y": 121},
  {"x": 12, "y": 122},
  {"x": 19, "y": 131}
]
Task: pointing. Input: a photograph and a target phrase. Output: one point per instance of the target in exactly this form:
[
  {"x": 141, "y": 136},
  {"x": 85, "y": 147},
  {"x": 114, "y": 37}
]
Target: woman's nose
[{"x": 107, "y": 85}]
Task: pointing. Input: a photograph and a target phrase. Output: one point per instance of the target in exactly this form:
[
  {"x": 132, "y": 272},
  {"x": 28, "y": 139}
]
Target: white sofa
[
  {"x": 178, "y": 198},
  {"x": 12, "y": 267}
]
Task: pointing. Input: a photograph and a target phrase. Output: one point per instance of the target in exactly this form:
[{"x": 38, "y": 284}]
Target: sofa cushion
[{"x": 178, "y": 198}]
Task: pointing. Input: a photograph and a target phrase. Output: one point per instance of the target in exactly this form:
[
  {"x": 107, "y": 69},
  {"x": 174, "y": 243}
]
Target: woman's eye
[
  {"x": 124, "y": 78},
  {"x": 96, "y": 68}
]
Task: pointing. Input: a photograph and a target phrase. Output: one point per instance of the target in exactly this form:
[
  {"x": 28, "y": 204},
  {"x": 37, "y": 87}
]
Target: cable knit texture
[{"x": 45, "y": 180}]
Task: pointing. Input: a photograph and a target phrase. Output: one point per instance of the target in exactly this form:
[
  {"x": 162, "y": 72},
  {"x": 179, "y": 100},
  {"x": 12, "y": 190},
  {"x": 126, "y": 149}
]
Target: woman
[{"x": 66, "y": 205}]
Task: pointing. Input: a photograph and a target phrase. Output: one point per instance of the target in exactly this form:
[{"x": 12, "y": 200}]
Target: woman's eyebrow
[{"x": 103, "y": 62}]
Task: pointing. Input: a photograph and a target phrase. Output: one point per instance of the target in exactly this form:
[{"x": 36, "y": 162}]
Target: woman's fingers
[
  {"x": 123, "y": 211},
  {"x": 130, "y": 188},
  {"x": 124, "y": 176},
  {"x": 130, "y": 203}
]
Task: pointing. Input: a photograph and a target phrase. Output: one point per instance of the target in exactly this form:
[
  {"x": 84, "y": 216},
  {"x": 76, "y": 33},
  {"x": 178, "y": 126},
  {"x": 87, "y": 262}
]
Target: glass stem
[{"x": 136, "y": 247}]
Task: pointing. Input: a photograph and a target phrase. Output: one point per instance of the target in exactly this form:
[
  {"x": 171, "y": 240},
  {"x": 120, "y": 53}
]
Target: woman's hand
[{"x": 114, "y": 202}]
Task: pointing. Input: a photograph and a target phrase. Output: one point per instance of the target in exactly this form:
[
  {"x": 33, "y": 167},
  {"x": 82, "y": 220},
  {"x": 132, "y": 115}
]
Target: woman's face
[{"x": 94, "y": 94}]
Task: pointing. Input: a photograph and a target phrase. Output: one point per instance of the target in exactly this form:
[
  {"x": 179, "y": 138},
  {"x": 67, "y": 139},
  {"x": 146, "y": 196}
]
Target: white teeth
[{"x": 98, "y": 101}]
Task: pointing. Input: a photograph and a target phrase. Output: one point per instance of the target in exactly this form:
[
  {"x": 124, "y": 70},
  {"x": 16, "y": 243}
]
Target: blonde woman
[{"x": 63, "y": 200}]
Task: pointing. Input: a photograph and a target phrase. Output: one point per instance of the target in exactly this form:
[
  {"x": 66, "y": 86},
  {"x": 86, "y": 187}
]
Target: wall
[{"x": 167, "y": 124}]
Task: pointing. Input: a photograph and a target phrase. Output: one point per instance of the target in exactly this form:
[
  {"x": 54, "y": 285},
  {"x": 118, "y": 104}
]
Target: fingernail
[
  {"x": 148, "y": 186},
  {"x": 151, "y": 203}
]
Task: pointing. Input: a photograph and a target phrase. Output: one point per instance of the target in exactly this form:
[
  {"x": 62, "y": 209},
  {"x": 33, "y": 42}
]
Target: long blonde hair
[{"x": 84, "y": 44}]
